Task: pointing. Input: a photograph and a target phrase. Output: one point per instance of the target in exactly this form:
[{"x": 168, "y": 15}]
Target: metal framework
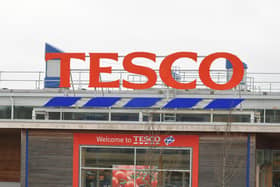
[
  {"x": 134, "y": 148},
  {"x": 255, "y": 82},
  {"x": 142, "y": 112}
]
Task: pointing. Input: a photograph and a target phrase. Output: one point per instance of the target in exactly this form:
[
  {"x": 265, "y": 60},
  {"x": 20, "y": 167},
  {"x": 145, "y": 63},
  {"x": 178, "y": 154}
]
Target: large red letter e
[{"x": 95, "y": 70}]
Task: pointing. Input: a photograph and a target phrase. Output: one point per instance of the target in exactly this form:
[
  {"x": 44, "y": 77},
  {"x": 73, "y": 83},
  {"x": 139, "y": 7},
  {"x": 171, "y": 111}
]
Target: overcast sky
[{"x": 248, "y": 28}]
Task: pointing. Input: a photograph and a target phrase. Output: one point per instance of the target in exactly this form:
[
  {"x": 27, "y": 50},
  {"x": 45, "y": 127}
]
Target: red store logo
[{"x": 146, "y": 140}]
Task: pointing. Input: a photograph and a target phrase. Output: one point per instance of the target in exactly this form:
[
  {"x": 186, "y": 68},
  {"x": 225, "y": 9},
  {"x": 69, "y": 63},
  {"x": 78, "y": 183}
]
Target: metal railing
[
  {"x": 254, "y": 82},
  {"x": 204, "y": 116},
  {"x": 22, "y": 79}
]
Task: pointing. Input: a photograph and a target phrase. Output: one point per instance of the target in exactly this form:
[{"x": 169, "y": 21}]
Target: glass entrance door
[{"x": 104, "y": 166}]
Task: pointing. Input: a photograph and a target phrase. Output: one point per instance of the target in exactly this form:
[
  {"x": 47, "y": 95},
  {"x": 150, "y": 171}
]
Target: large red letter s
[
  {"x": 166, "y": 74},
  {"x": 141, "y": 70},
  {"x": 65, "y": 65},
  {"x": 237, "y": 75}
]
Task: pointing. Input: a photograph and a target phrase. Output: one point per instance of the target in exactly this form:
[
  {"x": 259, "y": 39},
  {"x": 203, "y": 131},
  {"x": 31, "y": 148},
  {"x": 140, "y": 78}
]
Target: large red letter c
[{"x": 166, "y": 74}]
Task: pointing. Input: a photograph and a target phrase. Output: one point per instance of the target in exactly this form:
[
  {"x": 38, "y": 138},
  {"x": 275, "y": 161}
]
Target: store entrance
[
  {"x": 268, "y": 161},
  {"x": 107, "y": 166},
  {"x": 268, "y": 168}
]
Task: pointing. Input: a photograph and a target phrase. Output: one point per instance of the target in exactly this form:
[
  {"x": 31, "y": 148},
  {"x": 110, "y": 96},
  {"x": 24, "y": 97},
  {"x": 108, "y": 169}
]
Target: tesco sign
[{"x": 164, "y": 70}]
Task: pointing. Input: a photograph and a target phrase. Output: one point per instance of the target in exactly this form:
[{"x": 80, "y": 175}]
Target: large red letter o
[{"x": 237, "y": 75}]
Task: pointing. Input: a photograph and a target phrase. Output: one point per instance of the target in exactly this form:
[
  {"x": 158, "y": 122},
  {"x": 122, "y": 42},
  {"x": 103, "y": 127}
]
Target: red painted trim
[
  {"x": 76, "y": 153},
  {"x": 91, "y": 139},
  {"x": 195, "y": 161}
]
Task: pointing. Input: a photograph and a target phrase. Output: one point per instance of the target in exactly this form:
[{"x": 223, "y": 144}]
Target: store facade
[
  {"x": 119, "y": 160},
  {"x": 94, "y": 158}
]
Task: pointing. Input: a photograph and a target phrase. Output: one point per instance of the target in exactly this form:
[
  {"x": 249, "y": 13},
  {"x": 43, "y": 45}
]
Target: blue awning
[
  {"x": 182, "y": 103},
  {"x": 223, "y": 103},
  {"x": 62, "y": 101},
  {"x": 147, "y": 102},
  {"x": 142, "y": 102},
  {"x": 102, "y": 102}
]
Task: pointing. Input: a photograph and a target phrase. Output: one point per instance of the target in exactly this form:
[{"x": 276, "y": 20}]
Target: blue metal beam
[
  {"x": 26, "y": 158},
  {"x": 248, "y": 161}
]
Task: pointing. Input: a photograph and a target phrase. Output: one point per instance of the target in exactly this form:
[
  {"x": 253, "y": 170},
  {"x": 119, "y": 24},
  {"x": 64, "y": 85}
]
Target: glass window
[
  {"x": 259, "y": 115},
  {"x": 85, "y": 116},
  {"x": 164, "y": 158},
  {"x": 155, "y": 117},
  {"x": 5, "y": 112},
  {"x": 276, "y": 160},
  {"x": 134, "y": 166},
  {"x": 125, "y": 117},
  {"x": 268, "y": 167},
  {"x": 276, "y": 169},
  {"x": 276, "y": 179},
  {"x": 264, "y": 167},
  {"x": 94, "y": 178},
  {"x": 193, "y": 117},
  {"x": 231, "y": 118},
  {"x": 23, "y": 112},
  {"x": 107, "y": 157},
  {"x": 172, "y": 178},
  {"x": 40, "y": 116},
  {"x": 272, "y": 116},
  {"x": 54, "y": 115}
]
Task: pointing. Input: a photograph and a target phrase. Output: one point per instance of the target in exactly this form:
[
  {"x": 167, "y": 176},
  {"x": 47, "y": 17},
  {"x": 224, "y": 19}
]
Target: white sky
[{"x": 248, "y": 28}]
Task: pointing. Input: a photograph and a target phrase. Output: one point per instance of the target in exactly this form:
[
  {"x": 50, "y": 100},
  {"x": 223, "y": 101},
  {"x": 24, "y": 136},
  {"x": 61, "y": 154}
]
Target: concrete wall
[
  {"x": 9, "y": 155},
  {"x": 10, "y": 184},
  {"x": 223, "y": 161},
  {"x": 221, "y": 158},
  {"x": 50, "y": 159}
]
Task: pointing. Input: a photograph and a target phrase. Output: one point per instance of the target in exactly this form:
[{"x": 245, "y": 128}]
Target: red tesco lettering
[{"x": 164, "y": 71}]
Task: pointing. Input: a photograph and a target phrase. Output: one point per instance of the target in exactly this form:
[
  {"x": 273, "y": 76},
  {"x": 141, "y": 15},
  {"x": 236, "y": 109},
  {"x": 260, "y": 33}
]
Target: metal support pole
[
  {"x": 12, "y": 107},
  {"x": 33, "y": 114},
  {"x": 72, "y": 82},
  {"x": 110, "y": 115},
  {"x": 211, "y": 116},
  {"x": 26, "y": 158},
  {"x": 39, "y": 81},
  {"x": 140, "y": 116},
  {"x": 264, "y": 115}
]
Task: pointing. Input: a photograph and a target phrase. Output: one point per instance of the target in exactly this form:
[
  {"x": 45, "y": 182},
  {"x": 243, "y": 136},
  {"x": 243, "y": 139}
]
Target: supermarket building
[{"x": 83, "y": 137}]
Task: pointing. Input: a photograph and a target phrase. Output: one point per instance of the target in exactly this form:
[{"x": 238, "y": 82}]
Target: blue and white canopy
[{"x": 146, "y": 102}]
